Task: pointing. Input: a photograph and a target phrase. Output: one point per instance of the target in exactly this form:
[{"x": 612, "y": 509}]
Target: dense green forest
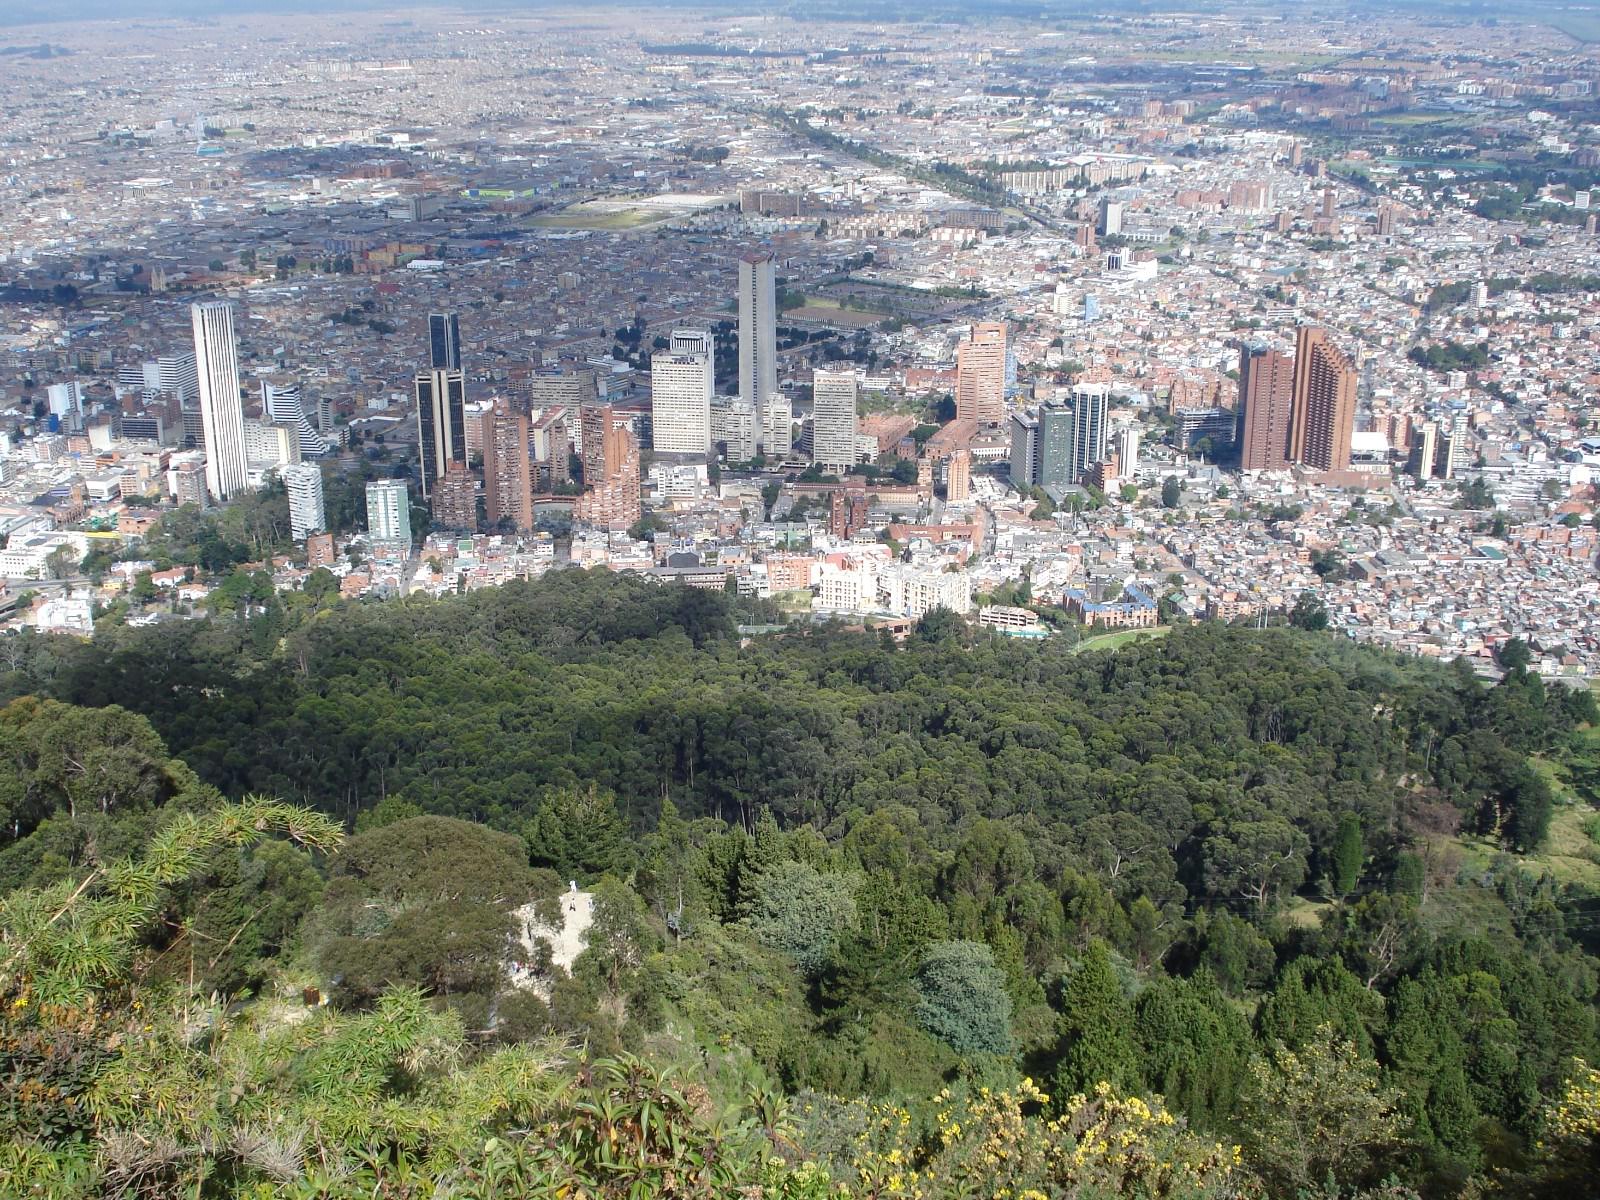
[{"x": 1233, "y": 913}]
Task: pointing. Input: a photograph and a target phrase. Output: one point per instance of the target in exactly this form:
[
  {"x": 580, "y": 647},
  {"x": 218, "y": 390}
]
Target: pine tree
[
  {"x": 1347, "y": 854},
  {"x": 1096, "y": 1043}
]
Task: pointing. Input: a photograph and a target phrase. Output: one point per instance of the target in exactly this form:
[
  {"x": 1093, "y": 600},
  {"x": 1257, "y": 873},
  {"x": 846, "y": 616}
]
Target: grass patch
[
  {"x": 1570, "y": 855},
  {"x": 578, "y": 217},
  {"x": 1410, "y": 119},
  {"x": 1304, "y": 912},
  {"x": 1121, "y": 637}
]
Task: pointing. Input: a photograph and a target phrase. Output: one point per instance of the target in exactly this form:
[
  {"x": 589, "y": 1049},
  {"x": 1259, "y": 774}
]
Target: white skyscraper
[
  {"x": 833, "y": 420},
  {"x": 221, "y": 415},
  {"x": 1128, "y": 452},
  {"x": 758, "y": 350},
  {"x": 303, "y": 481},
  {"x": 66, "y": 404},
  {"x": 682, "y": 381},
  {"x": 389, "y": 511}
]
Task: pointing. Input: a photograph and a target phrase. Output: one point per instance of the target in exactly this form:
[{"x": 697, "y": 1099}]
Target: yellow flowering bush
[{"x": 1003, "y": 1145}]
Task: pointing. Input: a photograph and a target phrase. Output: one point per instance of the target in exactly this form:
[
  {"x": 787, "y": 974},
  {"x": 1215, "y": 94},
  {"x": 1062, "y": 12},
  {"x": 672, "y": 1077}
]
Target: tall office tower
[
  {"x": 1425, "y": 451},
  {"x": 1024, "y": 450},
  {"x": 179, "y": 373},
  {"x": 1327, "y": 202},
  {"x": 833, "y": 420},
  {"x": 1266, "y": 407},
  {"x": 444, "y": 341},
  {"x": 216, "y": 356},
  {"x": 1110, "y": 218},
  {"x": 1127, "y": 452},
  {"x": 1053, "y": 461},
  {"x": 1089, "y": 403},
  {"x": 981, "y": 374},
  {"x": 594, "y": 422},
  {"x": 958, "y": 476},
  {"x": 758, "y": 344},
  {"x": 455, "y": 499},
  {"x": 389, "y": 511},
  {"x": 283, "y": 405},
  {"x": 1385, "y": 221},
  {"x": 441, "y": 424},
  {"x": 507, "y": 473},
  {"x": 682, "y": 382},
  {"x": 303, "y": 482},
  {"x": 1324, "y": 402}
]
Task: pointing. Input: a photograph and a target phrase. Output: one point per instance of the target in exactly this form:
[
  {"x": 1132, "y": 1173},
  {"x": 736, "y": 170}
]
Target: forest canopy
[{"x": 860, "y": 913}]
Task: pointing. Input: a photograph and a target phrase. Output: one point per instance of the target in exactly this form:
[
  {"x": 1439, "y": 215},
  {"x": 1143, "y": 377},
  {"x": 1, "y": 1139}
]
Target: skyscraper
[
  {"x": 1266, "y": 407},
  {"x": 1024, "y": 450},
  {"x": 1088, "y": 404},
  {"x": 833, "y": 420},
  {"x": 614, "y": 501},
  {"x": 389, "y": 511},
  {"x": 441, "y": 424},
  {"x": 507, "y": 474},
  {"x": 1053, "y": 455},
  {"x": 682, "y": 381},
  {"x": 216, "y": 355},
  {"x": 595, "y": 421},
  {"x": 444, "y": 341},
  {"x": 1324, "y": 402},
  {"x": 303, "y": 481},
  {"x": 1128, "y": 452},
  {"x": 981, "y": 374},
  {"x": 758, "y": 348}
]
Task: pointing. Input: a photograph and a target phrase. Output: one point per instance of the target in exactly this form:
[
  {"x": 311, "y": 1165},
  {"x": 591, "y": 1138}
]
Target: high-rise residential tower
[
  {"x": 388, "y": 511},
  {"x": 507, "y": 471},
  {"x": 1266, "y": 408},
  {"x": 1324, "y": 402},
  {"x": 833, "y": 420},
  {"x": 303, "y": 482},
  {"x": 595, "y": 421},
  {"x": 216, "y": 354},
  {"x": 1089, "y": 403},
  {"x": 958, "y": 476},
  {"x": 981, "y": 374},
  {"x": 444, "y": 341},
  {"x": 758, "y": 349},
  {"x": 441, "y": 424},
  {"x": 682, "y": 382}
]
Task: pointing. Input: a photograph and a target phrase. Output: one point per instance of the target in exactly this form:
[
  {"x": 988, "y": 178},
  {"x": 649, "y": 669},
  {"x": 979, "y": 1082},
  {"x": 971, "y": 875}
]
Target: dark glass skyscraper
[
  {"x": 441, "y": 424},
  {"x": 444, "y": 341}
]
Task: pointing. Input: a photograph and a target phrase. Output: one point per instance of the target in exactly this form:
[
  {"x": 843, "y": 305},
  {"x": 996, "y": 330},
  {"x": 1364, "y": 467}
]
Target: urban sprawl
[{"x": 1109, "y": 322}]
